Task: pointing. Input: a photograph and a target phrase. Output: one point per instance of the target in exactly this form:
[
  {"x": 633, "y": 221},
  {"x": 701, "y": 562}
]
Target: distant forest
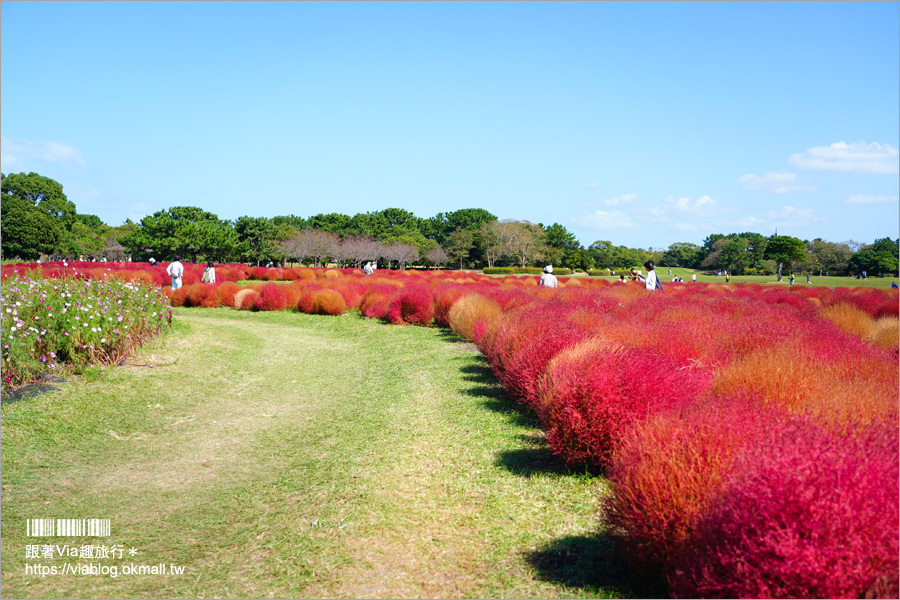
[{"x": 39, "y": 221}]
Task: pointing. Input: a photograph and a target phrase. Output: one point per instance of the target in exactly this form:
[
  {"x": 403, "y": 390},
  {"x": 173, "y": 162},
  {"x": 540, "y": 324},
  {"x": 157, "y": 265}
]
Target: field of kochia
[{"x": 749, "y": 433}]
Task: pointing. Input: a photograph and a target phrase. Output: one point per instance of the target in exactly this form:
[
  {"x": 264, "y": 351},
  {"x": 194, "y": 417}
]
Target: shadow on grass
[{"x": 592, "y": 563}]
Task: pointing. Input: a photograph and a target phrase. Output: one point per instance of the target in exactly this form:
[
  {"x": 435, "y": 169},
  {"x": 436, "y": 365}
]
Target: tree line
[{"x": 38, "y": 220}]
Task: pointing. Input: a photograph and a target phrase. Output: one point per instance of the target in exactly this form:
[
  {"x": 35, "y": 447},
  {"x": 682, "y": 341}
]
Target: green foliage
[
  {"x": 36, "y": 216},
  {"x": 187, "y": 231},
  {"x": 524, "y": 271},
  {"x": 90, "y": 221},
  {"x": 563, "y": 247},
  {"x": 681, "y": 254},
  {"x": 606, "y": 255},
  {"x": 459, "y": 246},
  {"x": 785, "y": 250},
  {"x": 441, "y": 226},
  {"x": 874, "y": 262}
]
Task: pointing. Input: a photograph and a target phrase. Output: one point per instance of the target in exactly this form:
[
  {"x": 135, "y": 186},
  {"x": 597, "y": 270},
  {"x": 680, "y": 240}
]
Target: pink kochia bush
[{"x": 807, "y": 512}]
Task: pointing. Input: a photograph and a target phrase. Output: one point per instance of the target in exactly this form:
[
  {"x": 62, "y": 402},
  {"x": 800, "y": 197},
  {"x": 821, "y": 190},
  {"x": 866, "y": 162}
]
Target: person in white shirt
[
  {"x": 175, "y": 271},
  {"x": 694, "y": 277},
  {"x": 650, "y": 279},
  {"x": 548, "y": 279},
  {"x": 209, "y": 273}
]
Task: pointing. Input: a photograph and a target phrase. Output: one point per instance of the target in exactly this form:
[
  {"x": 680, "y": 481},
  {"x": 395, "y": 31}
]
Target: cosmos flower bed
[
  {"x": 749, "y": 433},
  {"x": 51, "y": 325}
]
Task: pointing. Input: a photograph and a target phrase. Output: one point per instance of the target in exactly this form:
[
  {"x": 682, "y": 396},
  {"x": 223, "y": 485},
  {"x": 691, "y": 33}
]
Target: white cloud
[
  {"x": 695, "y": 208},
  {"x": 685, "y": 228},
  {"x": 746, "y": 224},
  {"x": 15, "y": 154},
  {"x": 601, "y": 219},
  {"x": 592, "y": 185},
  {"x": 624, "y": 199},
  {"x": 868, "y": 199},
  {"x": 781, "y": 182},
  {"x": 790, "y": 216},
  {"x": 858, "y": 157}
]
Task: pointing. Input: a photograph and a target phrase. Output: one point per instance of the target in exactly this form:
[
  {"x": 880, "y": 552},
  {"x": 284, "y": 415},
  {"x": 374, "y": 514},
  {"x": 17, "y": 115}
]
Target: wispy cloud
[
  {"x": 680, "y": 208},
  {"x": 790, "y": 216},
  {"x": 17, "y": 154},
  {"x": 603, "y": 220},
  {"x": 624, "y": 199},
  {"x": 868, "y": 199},
  {"x": 685, "y": 228},
  {"x": 781, "y": 182},
  {"x": 858, "y": 157},
  {"x": 592, "y": 186},
  {"x": 745, "y": 224}
]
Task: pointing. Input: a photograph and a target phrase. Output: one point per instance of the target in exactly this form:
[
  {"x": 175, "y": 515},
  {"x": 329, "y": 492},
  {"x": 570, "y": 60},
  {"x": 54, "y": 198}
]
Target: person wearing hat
[{"x": 548, "y": 279}]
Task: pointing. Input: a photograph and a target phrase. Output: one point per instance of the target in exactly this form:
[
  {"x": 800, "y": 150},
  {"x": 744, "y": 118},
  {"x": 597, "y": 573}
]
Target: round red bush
[
  {"x": 272, "y": 297},
  {"x": 179, "y": 297},
  {"x": 669, "y": 469},
  {"x": 806, "y": 513},
  {"x": 413, "y": 305},
  {"x": 227, "y": 291},
  {"x": 204, "y": 295},
  {"x": 595, "y": 398}
]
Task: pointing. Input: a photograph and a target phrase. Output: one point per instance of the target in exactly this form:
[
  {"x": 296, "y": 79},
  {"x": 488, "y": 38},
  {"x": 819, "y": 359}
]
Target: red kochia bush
[
  {"x": 668, "y": 470},
  {"x": 179, "y": 297},
  {"x": 272, "y": 297},
  {"x": 204, "y": 295},
  {"x": 227, "y": 291},
  {"x": 593, "y": 399},
  {"x": 414, "y": 304},
  {"x": 807, "y": 513}
]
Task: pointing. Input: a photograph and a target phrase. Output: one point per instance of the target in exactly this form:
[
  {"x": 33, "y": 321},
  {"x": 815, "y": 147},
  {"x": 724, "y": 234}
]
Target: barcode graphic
[{"x": 68, "y": 527}]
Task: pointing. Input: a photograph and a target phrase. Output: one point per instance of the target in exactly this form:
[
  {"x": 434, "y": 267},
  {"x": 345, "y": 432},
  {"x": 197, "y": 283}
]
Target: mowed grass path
[{"x": 294, "y": 456}]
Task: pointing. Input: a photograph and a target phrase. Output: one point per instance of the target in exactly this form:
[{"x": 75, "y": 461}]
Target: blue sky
[{"x": 644, "y": 124}]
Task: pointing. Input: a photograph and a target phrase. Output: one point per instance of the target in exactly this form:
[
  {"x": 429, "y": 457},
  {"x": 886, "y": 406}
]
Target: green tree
[
  {"x": 459, "y": 246},
  {"x": 36, "y": 216},
  {"x": 185, "y": 231},
  {"x": 681, "y": 254},
  {"x": 564, "y": 247},
  {"x": 255, "y": 236},
  {"x": 887, "y": 245},
  {"x": 335, "y": 223},
  {"x": 442, "y": 225},
  {"x": 785, "y": 250},
  {"x": 92, "y": 221}
]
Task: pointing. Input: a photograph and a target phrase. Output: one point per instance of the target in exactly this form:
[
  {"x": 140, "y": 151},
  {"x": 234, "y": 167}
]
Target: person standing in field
[
  {"x": 209, "y": 273},
  {"x": 694, "y": 277},
  {"x": 548, "y": 279},
  {"x": 650, "y": 281},
  {"x": 175, "y": 271}
]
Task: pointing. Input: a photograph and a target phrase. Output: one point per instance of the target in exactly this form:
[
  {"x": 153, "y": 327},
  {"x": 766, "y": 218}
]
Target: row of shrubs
[
  {"x": 752, "y": 447},
  {"x": 749, "y": 433}
]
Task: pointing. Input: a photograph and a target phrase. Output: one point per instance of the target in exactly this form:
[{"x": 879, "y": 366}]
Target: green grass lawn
[{"x": 287, "y": 455}]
